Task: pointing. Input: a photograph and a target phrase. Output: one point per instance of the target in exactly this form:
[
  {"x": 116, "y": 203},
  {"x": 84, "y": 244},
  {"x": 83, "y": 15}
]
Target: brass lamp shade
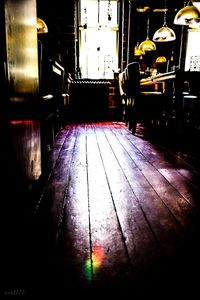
[
  {"x": 137, "y": 51},
  {"x": 147, "y": 45},
  {"x": 186, "y": 15},
  {"x": 164, "y": 34},
  {"x": 161, "y": 59},
  {"x": 41, "y": 26},
  {"x": 195, "y": 23},
  {"x": 161, "y": 64}
]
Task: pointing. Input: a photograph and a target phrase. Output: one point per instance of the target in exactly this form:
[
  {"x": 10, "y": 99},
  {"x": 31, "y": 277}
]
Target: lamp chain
[
  {"x": 165, "y": 14},
  {"x": 147, "y": 25}
]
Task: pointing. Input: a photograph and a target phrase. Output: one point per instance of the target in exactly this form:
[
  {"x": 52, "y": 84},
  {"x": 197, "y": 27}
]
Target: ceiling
[{"x": 159, "y": 3}]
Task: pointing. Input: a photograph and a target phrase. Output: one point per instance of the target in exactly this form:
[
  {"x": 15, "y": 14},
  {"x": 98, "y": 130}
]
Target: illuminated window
[
  {"x": 192, "y": 60},
  {"x": 98, "y": 34}
]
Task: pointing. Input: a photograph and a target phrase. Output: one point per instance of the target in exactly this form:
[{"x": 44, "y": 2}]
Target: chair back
[{"x": 132, "y": 79}]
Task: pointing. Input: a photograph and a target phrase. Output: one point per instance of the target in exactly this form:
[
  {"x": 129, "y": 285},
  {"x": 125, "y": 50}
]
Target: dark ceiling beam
[{"x": 159, "y": 3}]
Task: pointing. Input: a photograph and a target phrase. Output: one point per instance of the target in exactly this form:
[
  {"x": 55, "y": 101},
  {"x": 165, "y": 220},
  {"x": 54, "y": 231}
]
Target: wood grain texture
[{"x": 118, "y": 215}]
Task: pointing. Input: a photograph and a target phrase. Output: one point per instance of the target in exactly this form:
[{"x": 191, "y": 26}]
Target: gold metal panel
[{"x": 22, "y": 53}]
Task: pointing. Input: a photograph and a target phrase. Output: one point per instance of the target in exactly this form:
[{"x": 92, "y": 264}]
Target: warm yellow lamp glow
[
  {"x": 164, "y": 34},
  {"x": 187, "y": 14},
  {"x": 147, "y": 45},
  {"x": 41, "y": 26},
  {"x": 137, "y": 51},
  {"x": 161, "y": 59},
  {"x": 143, "y": 9}
]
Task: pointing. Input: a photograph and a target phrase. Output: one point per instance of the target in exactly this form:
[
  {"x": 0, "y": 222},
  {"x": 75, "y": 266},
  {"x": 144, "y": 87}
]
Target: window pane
[
  {"x": 89, "y": 12},
  {"x": 98, "y": 41},
  {"x": 98, "y": 55},
  {"x": 192, "y": 60},
  {"x": 108, "y": 9}
]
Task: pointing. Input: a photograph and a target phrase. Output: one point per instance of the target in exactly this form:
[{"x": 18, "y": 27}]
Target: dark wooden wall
[{"x": 61, "y": 38}]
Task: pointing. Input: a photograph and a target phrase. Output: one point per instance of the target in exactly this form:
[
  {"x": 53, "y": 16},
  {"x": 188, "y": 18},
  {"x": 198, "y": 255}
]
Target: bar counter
[{"x": 158, "y": 78}]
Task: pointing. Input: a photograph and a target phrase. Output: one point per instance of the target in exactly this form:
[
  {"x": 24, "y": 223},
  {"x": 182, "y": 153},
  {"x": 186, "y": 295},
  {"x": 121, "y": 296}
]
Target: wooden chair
[
  {"x": 140, "y": 106},
  {"x": 129, "y": 82}
]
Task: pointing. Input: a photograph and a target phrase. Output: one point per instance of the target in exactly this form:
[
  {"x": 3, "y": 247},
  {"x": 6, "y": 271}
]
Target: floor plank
[{"x": 118, "y": 213}]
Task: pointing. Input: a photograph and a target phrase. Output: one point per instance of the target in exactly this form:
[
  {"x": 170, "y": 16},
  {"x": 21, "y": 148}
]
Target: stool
[{"x": 152, "y": 106}]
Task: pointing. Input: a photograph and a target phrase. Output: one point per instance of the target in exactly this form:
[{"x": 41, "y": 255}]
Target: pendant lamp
[
  {"x": 137, "y": 51},
  {"x": 164, "y": 34},
  {"x": 161, "y": 59},
  {"x": 161, "y": 64},
  {"x": 41, "y": 26},
  {"x": 147, "y": 45},
  {"x": 187, "y": 15},
  {"x": 195, "y": 23}
]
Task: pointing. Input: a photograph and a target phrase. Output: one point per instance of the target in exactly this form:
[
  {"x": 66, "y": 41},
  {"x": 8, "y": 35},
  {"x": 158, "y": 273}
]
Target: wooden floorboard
[
  {"x": 130, "y": 215},
  {"x": 118, "y": 214}
]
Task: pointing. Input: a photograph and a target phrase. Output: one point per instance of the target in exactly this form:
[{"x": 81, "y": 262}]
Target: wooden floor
[{"x": 119, "y": 215}]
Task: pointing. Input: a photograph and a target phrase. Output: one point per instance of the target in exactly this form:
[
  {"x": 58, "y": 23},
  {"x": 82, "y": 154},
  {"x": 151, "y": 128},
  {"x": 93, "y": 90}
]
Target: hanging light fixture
[
  {"x": 161, "y": 64},
  {"x": 164, "y": 34},
  {"x": 41, "y": 26},
  {"x": 187, "y": 15},
  {"x": 161, "y": 59},
  {"x": 147, "y": 45},
  {"x": 195, "y": 23},
  {"x": 137, "y": 51}
]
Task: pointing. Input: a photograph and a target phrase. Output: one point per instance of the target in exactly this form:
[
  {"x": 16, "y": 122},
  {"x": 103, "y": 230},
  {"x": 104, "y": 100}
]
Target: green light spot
[{"x": 88, "y": 270}]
